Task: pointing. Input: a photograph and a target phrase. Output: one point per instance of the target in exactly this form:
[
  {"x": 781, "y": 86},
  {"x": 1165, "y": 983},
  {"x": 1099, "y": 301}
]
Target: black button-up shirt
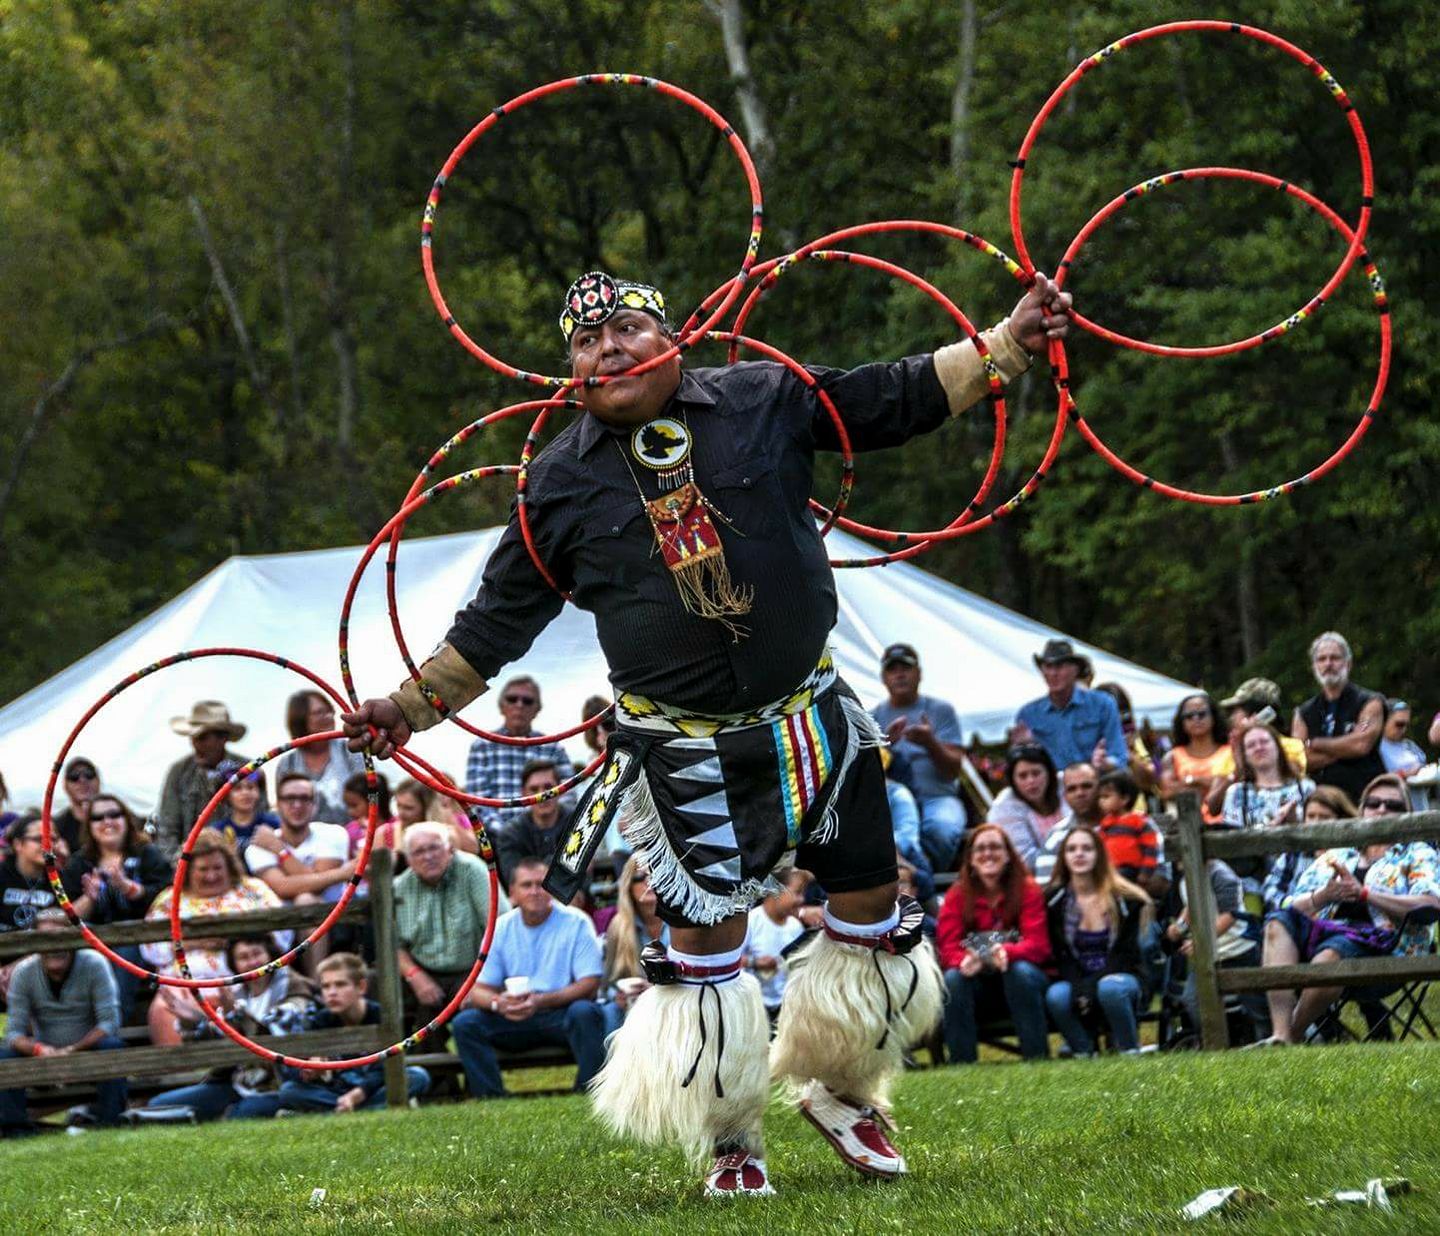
[{"x": 754, "y": 428}]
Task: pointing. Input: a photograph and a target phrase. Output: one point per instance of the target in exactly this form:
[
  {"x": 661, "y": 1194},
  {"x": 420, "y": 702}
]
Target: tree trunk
[
  {"x": 342, "y": 337},
  {"x": 1247, "y": 605},
  {"x": 731, "y": 16},
  {"x": 960, "y": 113}
]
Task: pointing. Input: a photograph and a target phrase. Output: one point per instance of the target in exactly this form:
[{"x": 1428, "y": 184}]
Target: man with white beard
[{"x": 1341, "y": 727}]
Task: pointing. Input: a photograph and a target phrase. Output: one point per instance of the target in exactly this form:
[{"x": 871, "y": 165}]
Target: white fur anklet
[
  {"x": 851, "y": 1008},
  {"x": 688, "y": 1064}
]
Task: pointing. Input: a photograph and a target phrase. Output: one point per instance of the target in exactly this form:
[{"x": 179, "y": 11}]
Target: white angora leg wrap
[
  {"x": 666, "y": 1081},
  {"x": 833, "y": 1023}
]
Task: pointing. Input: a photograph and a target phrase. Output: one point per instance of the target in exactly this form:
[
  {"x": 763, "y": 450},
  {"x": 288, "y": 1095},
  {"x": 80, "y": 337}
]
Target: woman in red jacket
[{"x": 993, "y": 940}]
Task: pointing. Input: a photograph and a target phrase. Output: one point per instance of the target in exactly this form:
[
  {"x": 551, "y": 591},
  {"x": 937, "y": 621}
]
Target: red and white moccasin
[
  {"x": 855, "y": 1131},
  {"x": 737, "y": 1173}
]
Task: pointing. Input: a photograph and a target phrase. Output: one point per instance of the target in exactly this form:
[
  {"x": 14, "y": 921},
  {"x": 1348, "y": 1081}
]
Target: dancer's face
[{"x": 621, "y": 342}]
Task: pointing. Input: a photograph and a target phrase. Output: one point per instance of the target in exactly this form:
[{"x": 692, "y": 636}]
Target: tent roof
[{"x": 975, "y": 653}]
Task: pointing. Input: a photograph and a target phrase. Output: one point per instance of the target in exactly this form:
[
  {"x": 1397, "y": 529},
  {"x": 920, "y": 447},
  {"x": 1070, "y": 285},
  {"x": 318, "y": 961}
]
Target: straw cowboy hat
[{"x": 207, "y": 716}]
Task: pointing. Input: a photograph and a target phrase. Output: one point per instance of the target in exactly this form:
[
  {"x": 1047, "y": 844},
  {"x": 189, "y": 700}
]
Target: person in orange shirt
[{"x": 1201, "y": 759}]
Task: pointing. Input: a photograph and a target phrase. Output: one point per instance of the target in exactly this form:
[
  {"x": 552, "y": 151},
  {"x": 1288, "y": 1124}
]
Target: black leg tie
[
  {"x": 885, "y": 987},
  {"x": 719, "y": 1039}
]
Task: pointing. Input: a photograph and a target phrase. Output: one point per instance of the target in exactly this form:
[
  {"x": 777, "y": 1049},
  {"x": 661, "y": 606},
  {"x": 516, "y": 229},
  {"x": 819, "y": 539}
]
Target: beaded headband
[{"x": 595, "y": 297}]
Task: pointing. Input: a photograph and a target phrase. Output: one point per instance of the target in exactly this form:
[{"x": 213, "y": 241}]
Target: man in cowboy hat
[
  {"x": 1073, "y": 723},
  {"x": 191, "y": 782}
]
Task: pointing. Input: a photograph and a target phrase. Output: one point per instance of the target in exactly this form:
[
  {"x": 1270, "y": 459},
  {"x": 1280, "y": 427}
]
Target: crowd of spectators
[{"x": 1053, "y": 905}]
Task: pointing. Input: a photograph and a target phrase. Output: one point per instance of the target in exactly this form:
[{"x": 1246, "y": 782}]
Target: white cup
[{"x": 518, "y": 986}]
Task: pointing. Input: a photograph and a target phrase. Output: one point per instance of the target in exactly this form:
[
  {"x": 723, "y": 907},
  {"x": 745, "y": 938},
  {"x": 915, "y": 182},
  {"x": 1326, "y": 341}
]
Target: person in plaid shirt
[{"x": 494, "y": 769}]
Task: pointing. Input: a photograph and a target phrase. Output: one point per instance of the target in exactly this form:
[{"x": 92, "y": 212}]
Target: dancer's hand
[
  {"x": 384, "y": 715},
  {"x": 1040, "y": 316}
]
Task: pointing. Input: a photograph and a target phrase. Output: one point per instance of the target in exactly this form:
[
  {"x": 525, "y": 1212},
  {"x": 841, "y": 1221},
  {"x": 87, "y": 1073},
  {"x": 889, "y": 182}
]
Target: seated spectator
[
  {"x": 1072, "y": 722},
  {"x": 1141, "y": 763},
  {"x": 1080, "y": 784},
  {"x": 61, "y": 1003},
  {"x": 24, "y": 887},
  {"x": 357, "y": 809},
  {"x": 442, "y": 906},
  {"x": 1234, "y": 943},
  {"x": 1342, "y": 724},
  {"x": 192, "y": 781},
  {"x": 633, "y": 926},
  {"x": 1265, "y": 791},
  {"x": 1324, "y": 803},
  {"x": 1132, "y": 842},
  {"x": 276, "y": 1003},
  {"x": 329, "y": 765},
  {"x": 415, "y": 803},
  {"x": 926, "y": 731},
  {"x": 773, "y": 929},
  {"x": 1201, "y": 759},
  {"x": 303, "y": 861},
  {"x": 904, "y": 810},
  {"x": 538, "y": 987},
  {"x": 1403, "y": 755},
  {"x": 343, "y": 990},
  {"x": 243, "y": 814},
  {"x": 215, "y": 883},
  {"x": 1351, "y": 903},
  {"x": 992, "y": 942},
  {"x": 119, "y": 871},
  {"x": 82, "y": 783},
  {"x": 537, "y": 830},
  {"x": 1095, "y": 917},
  {"x": 1257, "y": 702},
  {"x": 1029, "y": 807},
  {"x": 493, "y": 769}
]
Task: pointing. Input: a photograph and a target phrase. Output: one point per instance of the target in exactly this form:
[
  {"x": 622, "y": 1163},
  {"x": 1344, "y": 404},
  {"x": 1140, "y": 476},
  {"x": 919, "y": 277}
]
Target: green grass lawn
[{"x": 1113, "y": 1145}]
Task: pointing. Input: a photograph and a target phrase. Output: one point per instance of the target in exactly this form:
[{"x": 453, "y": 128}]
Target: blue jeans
[
  {"x": 298, "y": 1096},
  {"x": 478, "y": 1032},
  {"x": 1021, "y": 990},
  {"x": 109, "y": 1095},
  {"x": 208, "y": 1100},
  {"x": 905, "y": 821},
  {"x": 1119, "y": 998},
  {"x": 942, "y": 824}
]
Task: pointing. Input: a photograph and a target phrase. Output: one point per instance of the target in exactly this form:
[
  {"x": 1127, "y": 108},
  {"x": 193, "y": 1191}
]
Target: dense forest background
[{"x": 215, "y": 339}]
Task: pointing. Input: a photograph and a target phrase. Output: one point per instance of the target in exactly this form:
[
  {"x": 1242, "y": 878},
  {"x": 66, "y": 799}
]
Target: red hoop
[
  {"x": 392, "y": 601},
  {"x": 731, "y": 288},
  {"x": 394, "y": 525},
  {"x": 1377, "y": 286},
  {"x": 1362, "y": 144},
  {"x": 52, "y": 871}
]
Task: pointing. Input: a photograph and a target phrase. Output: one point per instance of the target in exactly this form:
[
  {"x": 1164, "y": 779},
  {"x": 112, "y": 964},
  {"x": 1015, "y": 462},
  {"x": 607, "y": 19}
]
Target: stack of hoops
[{"x": 704, "y": 324}]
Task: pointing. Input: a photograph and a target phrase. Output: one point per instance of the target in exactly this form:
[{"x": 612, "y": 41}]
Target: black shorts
[{"x": 715, "y": 815}]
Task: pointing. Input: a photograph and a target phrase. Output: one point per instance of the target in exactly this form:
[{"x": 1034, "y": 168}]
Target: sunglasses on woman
[{"x": 1383, "y": 804}]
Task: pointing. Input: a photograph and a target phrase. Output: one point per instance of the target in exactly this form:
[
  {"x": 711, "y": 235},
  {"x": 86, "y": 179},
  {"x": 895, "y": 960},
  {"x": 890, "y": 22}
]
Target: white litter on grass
[
  {"x": 317, "y": 1197},
  {"x": 1226, "y": 1201}
]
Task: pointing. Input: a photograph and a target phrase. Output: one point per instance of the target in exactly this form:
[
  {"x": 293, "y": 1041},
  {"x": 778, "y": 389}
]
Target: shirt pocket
[
  {"x": 619, "y": 546},
  {"x": 747, "y": 495}
]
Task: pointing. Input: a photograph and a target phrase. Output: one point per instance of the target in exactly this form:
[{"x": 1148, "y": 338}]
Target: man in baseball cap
[{"x": 924, "y": 733}]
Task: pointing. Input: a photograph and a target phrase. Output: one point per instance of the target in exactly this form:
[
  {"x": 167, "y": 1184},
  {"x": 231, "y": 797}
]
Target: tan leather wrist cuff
[
  {"x": 962, "y": 371},
  {"x": 446, "y": 676}
]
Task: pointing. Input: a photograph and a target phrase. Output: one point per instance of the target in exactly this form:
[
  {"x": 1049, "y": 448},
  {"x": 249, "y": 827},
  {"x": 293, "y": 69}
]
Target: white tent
[{"x": 976, "y": 654}]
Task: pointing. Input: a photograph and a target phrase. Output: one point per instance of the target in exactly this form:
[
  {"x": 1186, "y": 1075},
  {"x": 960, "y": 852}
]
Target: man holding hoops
[{"x": 674, "y": 510}]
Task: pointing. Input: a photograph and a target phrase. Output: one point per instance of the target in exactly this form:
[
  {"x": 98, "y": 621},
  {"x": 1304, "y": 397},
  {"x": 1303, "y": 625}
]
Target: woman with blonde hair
[
  {"x": 414, "y": 803},
  {"x": 634, "y": 925},
  {"x": 215, "y": 883},
  {"x": 1095, "y": 918}
]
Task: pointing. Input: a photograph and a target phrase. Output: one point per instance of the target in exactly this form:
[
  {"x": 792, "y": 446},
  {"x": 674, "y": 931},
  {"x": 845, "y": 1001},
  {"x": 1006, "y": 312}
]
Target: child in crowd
[
  {"x": 1131, "y": 839},
  {"x": 773, "y": 928},
  {"x": 343, "y": 988},
  {"x": 357, "y": 809}
]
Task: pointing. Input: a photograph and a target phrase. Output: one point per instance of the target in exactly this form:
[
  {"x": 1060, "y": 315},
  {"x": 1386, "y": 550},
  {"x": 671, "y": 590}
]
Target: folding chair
[{"x": 1392, "y": 1013}]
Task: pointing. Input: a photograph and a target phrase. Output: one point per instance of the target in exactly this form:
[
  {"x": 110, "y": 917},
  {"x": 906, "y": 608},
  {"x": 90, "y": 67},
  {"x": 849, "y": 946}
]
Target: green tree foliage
[{"x": 215, "y": 337}]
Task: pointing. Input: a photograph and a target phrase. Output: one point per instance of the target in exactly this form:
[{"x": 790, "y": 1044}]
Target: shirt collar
[{"x": 593, "y": 431}]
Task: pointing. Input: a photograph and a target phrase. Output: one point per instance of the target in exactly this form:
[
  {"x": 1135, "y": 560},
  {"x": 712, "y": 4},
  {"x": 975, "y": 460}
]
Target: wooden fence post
[
  {"x": 1200, "y": 897},
  {"x": 387, "y": 972}
]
